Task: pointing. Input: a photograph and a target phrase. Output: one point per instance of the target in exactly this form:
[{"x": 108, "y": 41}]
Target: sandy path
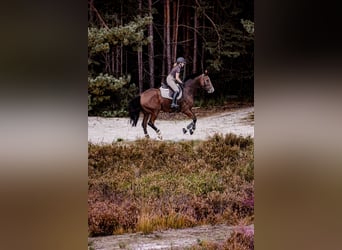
[
  {"x": 107, "y": 130},
  {"x": 169, "y": 239}
]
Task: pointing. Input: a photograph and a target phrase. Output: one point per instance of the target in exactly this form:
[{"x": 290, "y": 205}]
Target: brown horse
[{"x": 150, "y": 102}]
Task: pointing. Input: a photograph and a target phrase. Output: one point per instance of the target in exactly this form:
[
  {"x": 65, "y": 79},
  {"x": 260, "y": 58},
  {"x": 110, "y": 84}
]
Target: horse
[{"x": 150, "y": 103}]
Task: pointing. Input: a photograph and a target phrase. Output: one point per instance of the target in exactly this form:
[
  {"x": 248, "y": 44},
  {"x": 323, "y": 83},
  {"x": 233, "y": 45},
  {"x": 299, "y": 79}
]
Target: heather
[{"x": 149, "y": 185}]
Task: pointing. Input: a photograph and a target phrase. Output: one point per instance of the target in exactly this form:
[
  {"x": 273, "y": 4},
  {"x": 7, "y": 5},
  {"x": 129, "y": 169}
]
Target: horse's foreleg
[
  {"x": 194, "y": 120},
  {"x": 192, "y": 125}
]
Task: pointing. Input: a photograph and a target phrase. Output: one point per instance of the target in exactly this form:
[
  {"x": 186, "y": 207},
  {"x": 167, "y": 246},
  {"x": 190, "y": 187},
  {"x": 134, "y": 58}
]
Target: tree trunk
[
  {"x": 113, "y": 61},
  {"x": 140, "y": 61},
  {"x": 168, "y": 42},
  {"x": 164, "y": 47},
  {"x": 121, "y": 60},
  {"x": 151, "y": 47},
  {"x": 140, "y": 70},
  {"x": 107, "y": 62},
  {"x": 103, "y": 23},
  {"x": 194, "y": 59},
  {"x": 187, "y": 38},
  {"x": 90, "y": 11},
  {"x": 203, "y": 49},
  {"x": 121, "y": 45},
  {"x": 118, "y": 61},
  {"x": 175, "y": 29}
]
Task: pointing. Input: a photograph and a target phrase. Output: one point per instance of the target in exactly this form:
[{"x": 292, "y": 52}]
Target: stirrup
[{"x": 174, "y": 105}]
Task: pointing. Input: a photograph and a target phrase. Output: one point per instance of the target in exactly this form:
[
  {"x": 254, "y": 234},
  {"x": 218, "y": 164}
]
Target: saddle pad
[{"x": 166, "y": 93}]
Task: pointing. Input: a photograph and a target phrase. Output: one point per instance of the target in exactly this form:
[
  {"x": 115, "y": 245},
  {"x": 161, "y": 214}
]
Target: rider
[{"x": 173, "y": 78}]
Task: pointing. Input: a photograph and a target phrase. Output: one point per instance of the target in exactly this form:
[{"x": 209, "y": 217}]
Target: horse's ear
[{"x": 206, "y": 72}]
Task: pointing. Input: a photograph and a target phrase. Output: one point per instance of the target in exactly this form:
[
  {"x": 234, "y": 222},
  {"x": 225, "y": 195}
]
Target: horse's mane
[{"x": 192, "y": 76}]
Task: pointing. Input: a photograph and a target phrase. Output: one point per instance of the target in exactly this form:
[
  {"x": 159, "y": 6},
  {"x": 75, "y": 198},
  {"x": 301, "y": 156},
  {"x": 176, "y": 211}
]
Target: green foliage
[
  {"x": 210, "y": 102},
  {"x": 131, "y": 34},
  {"x": 248, "y": 25},
  {"x": 234, "y": 42},
  {"x": 109, "y": 96}
]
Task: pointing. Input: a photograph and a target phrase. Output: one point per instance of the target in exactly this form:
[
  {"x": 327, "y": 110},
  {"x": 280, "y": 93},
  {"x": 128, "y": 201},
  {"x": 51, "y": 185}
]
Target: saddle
[{"x": 167, "y": 92}]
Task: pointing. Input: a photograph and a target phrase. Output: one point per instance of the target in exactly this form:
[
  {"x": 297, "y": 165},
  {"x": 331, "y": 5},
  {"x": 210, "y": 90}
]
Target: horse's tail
[{"x": 134, "y": 109}]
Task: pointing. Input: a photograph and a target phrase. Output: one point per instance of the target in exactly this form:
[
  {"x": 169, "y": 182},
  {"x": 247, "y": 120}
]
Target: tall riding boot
[{"x": 174, "y": 100}]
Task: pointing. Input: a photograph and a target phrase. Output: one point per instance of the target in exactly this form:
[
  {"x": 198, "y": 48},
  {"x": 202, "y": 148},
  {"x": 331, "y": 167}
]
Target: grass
[
  {"x": 150, "y": 185},
  {"x": 237, "y": 241},
  {"x": 149, "y": 222}
]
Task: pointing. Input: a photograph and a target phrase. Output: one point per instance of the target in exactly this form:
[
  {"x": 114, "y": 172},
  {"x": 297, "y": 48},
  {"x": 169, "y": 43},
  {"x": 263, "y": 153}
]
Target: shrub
[
  {"x": 240, "y": 240},
  {"x": 109, "y": 96},
  {"x": 107, "y": 218},
  {"x": 149, "y": 185}
]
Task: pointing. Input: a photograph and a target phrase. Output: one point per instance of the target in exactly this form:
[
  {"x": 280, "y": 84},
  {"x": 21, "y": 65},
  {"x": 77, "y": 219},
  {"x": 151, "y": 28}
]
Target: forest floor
[{"x": 221, "y": 120}]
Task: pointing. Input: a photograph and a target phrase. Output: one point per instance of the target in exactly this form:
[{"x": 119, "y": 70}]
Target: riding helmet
[{"x": 181, "y": 60}]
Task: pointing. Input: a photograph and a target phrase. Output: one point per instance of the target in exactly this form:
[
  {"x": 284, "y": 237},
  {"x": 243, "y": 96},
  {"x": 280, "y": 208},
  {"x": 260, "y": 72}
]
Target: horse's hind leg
[
  {"x": 144, "y": 124},
  {"x": 155, "y": 129},
  {"x": 151, "y": 124}
]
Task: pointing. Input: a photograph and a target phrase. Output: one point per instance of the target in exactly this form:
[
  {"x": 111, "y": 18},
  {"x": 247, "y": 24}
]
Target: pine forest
[{"x": 133, "y": 44}]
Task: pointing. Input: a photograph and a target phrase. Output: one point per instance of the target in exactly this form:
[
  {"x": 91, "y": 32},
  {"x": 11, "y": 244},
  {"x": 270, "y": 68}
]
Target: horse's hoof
[
  {"x": 147, "y": 136},
  {"x": 184, "y": 130}
]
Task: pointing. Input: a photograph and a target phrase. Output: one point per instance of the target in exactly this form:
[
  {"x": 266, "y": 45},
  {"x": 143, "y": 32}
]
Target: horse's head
[{"x": 205, "y": 83}]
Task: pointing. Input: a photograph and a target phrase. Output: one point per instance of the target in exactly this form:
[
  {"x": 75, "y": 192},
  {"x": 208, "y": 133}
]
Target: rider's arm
[{"x": 177, "y": 78}]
